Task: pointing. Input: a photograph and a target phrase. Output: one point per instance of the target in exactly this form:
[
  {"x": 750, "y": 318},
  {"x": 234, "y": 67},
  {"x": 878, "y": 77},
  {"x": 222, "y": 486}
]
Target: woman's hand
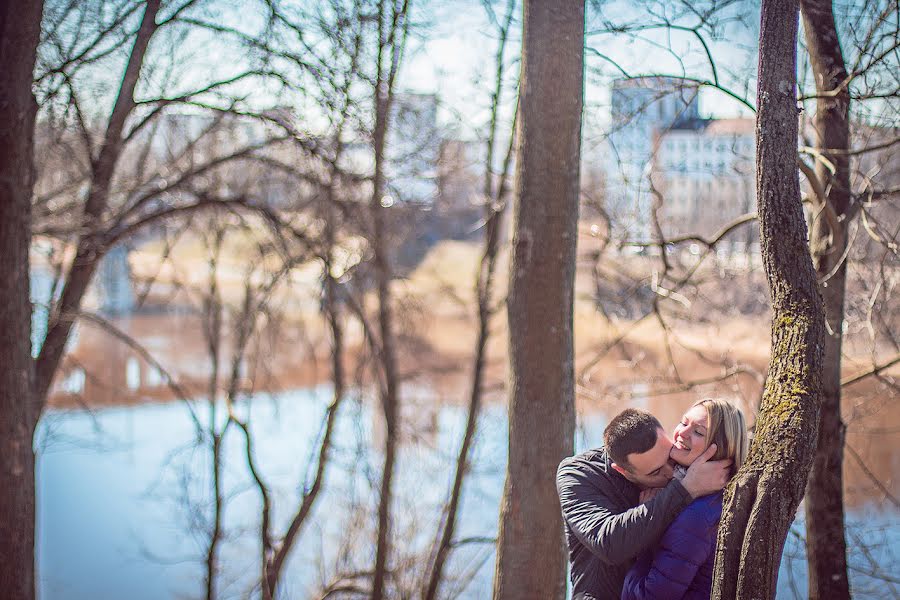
[{"x": 648, "y": 494}]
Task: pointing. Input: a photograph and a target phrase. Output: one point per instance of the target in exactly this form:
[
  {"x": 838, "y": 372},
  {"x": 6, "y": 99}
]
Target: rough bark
[
  {"x": 531, "y": 560},
  {"x": 826, "y": 547},
  {"x": 90, "y": 246},
  {"x": 762, "y": 499},
  {"x": 19, "y": 33}
]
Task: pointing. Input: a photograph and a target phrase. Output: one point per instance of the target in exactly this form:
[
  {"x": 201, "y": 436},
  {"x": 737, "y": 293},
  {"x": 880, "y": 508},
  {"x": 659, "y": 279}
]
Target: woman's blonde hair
[{"x": 727, "y": 430}]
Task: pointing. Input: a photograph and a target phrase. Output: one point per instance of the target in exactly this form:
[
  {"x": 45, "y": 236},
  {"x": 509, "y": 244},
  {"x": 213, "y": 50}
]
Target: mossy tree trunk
[
  {"x": 826, "y": 547},
  {"x": 761, "y": 501},
  {"x": 20, "y": 26},
  {"x": 531, "y": 560}
]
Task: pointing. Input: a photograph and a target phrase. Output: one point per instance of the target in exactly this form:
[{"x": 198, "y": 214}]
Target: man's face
[{"x": 651, "y": 468}]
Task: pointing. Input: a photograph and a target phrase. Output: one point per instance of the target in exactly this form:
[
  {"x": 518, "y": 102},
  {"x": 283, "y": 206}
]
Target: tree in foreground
[
  {"x": 20, "y": 25},
  {"x": 531, "y": 561},
  {"x": 762, "y": 500}
]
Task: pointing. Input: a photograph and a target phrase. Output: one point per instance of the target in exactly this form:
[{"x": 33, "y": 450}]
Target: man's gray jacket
[{"x": 605, "y": 527}]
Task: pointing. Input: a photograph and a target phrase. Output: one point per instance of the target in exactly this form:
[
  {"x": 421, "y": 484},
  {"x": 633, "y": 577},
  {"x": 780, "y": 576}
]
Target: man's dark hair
[{"x": 632, "y": 431}]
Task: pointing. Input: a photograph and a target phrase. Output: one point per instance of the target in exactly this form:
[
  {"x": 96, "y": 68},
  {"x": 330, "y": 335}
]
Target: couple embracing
[{"x": 642, "y": 512}]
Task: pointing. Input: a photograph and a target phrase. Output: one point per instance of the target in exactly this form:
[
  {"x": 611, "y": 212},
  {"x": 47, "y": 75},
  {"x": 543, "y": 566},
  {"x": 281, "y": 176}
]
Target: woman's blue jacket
[{"x": 681, "y": 565}]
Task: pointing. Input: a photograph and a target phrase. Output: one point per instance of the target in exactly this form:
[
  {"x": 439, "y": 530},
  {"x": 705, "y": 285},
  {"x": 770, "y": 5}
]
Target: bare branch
[{"x": 875, "y": 370}]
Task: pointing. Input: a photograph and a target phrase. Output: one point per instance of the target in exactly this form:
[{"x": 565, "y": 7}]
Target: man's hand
[{"x": 704, "y": 476}]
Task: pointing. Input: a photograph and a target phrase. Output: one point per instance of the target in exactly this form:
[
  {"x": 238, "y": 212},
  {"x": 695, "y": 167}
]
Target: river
[{"x": 124, "y": 498}]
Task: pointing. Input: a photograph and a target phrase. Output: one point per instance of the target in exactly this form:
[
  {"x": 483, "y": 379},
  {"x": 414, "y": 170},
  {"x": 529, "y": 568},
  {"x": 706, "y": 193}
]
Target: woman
[{"x": 682, "y": 564}]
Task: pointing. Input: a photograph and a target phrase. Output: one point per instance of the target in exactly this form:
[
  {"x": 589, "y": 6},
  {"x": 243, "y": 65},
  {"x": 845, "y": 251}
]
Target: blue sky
[
  {"x": 453, "y": 56},
  {"x": 456, "y": 60}
]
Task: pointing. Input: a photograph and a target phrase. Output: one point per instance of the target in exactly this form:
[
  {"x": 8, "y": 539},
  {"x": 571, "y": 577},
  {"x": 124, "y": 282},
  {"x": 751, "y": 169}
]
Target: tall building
[
  {"x": 706, "y": 178},
  {"x": 642, "y": 110},
  {"x": 413, "y": 148},
  {"x": 412, "y": 151},
  {"x": 701, "y": 171}
]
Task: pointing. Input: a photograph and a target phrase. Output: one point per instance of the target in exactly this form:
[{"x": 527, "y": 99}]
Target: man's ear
[{"x": 624, "y": 472}]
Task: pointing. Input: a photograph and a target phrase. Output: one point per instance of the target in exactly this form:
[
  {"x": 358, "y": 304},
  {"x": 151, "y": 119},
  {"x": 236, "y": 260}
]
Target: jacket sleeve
[
  {"x": 612, "y": 536},
  {"x": 667, "y": 573}
]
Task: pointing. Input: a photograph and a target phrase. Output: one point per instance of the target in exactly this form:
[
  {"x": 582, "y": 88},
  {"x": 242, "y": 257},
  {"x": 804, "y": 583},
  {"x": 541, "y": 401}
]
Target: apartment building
[{"x": 700, "y": 171}]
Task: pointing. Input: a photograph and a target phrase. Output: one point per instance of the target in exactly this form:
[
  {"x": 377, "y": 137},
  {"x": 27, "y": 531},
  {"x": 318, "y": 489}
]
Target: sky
[
  {"x": 456, "y": 60},
  {"x": 452, "y": 55}
]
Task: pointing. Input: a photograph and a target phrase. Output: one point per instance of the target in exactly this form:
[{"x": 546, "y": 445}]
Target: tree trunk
[
  {"x": 761, "y": 501},
  {"x": 531, "y": 559},
  {"x": 391, "y": 39},
  {"x": 826, "y": 547},
  {"x": 20, "y": 26}
]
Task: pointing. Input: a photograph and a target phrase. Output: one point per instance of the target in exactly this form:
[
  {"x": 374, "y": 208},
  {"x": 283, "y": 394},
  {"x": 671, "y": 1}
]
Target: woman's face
[{"x": 690, "y": 436}]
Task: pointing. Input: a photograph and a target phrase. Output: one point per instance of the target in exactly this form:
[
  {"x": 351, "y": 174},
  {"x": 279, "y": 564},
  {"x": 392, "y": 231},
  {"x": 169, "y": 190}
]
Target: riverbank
[{"x": 705, "y": 348}]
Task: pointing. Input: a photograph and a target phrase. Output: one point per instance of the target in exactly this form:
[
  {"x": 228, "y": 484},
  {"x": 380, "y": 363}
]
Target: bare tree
[
  {"x": 89, "y": 247},
  {"x": 850, "y": 192},
  {"x": 213, "y": 310},
  {"x": 129, "y": 183},
  {"x": 494, "y": 199},
  {"x": 393, "y": 26},
  {"x": 850, "y": 62},
  {"x": 761, "y": 500},
  {"x": 531, "y": 560},
  {"x": 233, "y": 330},
  {"x": 328, "y": 210},
  {"x": 19, "y": 33}
]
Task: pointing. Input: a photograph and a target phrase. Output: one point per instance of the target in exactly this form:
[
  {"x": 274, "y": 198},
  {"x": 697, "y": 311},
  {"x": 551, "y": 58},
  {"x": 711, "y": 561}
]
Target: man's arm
[{"x": 614, "y": 537}]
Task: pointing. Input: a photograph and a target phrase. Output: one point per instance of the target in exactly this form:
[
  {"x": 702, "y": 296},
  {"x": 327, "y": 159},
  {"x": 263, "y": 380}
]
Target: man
[{"x": 599, "y": 491}]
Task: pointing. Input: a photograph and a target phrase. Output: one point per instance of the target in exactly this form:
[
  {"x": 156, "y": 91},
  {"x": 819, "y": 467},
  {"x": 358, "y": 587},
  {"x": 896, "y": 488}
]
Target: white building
[
  {"x": 703, "y": 170},
  {"x": 413, "y": 148},
  {"x": 412, "y": 151},
  {"x": 642, "y": 109},
  {"x": 706, "y": 178}
]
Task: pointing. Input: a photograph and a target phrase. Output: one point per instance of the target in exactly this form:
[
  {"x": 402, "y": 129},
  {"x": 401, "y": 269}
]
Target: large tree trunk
[
  {"x": 761, "y": 501},
  {"x": 826, "y": 547},
  {"x": 20, "y": 26},
  {"x": 531, "y": 560}
]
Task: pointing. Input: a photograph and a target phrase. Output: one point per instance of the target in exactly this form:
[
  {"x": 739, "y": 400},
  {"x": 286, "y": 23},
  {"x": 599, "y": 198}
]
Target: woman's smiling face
[{"x": 690, "y": 436}]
